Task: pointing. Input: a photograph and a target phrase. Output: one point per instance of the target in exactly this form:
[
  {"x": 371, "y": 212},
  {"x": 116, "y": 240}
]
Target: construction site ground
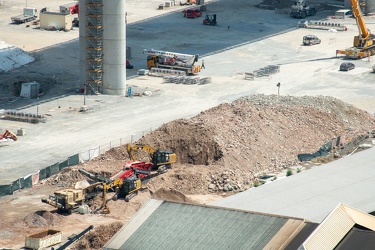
[{"x": 220, "y": 151}]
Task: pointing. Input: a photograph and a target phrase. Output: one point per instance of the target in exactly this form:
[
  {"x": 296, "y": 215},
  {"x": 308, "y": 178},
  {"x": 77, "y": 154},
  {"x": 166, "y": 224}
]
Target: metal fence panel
[
  {"x": 28, "y": 182},
  {"x": 63, "y": 165},
  {"x": 6, "y": 190},
  {"x": 55, "y": 168},
  {"x": 74, "y": 160}
]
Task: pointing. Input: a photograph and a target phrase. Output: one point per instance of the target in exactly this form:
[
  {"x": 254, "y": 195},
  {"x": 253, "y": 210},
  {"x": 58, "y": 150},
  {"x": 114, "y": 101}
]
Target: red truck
[{"x": 192, "y": 13}]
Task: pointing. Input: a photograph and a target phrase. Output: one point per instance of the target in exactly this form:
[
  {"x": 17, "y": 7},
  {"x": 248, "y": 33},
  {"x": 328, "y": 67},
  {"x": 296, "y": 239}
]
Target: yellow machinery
[
  {"x": 160, "y": 159},
  {"x": 125, "y": 185},
  {"x": 364, "y": 43},
  {"x": 69, "y": 200}
]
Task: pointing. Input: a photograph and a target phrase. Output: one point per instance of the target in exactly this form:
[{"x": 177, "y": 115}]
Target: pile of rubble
[{"x": 230, "y": 147}]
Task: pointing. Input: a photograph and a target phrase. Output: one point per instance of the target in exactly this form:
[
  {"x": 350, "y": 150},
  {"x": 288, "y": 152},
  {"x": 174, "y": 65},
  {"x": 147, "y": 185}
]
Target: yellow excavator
[
  {"x": 161, "y": 159},
  {"x": 364, "y": 43}
]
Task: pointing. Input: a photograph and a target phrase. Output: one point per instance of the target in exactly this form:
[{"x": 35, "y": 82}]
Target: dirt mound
[
  {"x": 260, "y": 132},
  {"x": 96, "y": 238},
  {"x": 66, "y": 178},
  {"x": 229, "y": 147},
  {"x": 41, "y": 219},
  {"x": 170, "y": 194}
]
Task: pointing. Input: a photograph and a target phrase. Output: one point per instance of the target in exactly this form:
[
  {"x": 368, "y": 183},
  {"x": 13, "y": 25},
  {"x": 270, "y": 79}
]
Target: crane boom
[
  {"x": 363, "y": 31},
  {"x": 364, "y": 43}
]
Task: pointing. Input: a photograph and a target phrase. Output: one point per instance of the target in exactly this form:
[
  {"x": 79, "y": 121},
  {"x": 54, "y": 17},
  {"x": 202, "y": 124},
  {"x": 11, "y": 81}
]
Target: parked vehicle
[
  {"x": 303, "y": 23},
  {"x": 210, "y": 20},
  {"x": 75, "y": 22},
  {"x": 128, "y": 65},
  {"x": 346, "y": 66},
  {"x": 311, "y": 40},
  {"x": 28, "y": 15},
  {"x": 192, "y": 13}
]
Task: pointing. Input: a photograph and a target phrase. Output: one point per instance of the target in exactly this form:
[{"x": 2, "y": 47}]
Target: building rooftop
[
  {"x": 314, "y": 193},
  {"x": 171, "y": 225}
]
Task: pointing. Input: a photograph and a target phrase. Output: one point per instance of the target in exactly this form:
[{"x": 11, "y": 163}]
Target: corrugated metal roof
[
  {"x": 331, "y": 231},
  {"x": 336, "y": 226},
  {"x": 183, "y": 226},
  {"x": 314, "y": 193}
]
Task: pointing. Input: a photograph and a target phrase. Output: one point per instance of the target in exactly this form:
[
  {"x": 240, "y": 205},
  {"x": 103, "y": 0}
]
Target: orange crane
[{"x": 364, "y": 43}]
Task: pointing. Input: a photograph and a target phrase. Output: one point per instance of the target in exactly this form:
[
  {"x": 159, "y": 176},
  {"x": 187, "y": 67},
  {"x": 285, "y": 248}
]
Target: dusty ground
[{"x": 221, "y": 151}]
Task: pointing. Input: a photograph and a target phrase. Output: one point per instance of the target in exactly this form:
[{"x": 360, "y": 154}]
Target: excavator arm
[
  {"x": 134, "y": 147},
  {"x": 158, "y": 158}
]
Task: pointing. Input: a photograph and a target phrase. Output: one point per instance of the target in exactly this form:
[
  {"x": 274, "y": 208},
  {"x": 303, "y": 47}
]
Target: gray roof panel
[
  {"x": 314, "y": 193},
  {"x": 183, "y": 226}
]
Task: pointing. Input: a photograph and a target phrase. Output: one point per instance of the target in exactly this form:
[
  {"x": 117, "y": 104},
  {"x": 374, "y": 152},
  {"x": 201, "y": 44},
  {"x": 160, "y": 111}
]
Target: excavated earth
[
  {"x": 220, "y": 152},
  {"x": 227, "y": 149}
]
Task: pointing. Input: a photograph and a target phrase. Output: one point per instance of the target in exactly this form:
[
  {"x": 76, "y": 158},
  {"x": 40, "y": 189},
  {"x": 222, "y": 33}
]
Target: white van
[{"x": 342, "y": 14}]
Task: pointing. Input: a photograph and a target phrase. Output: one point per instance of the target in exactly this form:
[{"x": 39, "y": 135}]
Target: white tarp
[{"x": 12, "y": 57}]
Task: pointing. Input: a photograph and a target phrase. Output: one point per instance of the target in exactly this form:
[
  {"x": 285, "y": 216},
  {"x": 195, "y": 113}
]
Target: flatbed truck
[{"x": 28, "y": 15}]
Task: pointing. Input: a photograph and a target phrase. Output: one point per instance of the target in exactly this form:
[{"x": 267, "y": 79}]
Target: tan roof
[{"x": 336, "y": 225}]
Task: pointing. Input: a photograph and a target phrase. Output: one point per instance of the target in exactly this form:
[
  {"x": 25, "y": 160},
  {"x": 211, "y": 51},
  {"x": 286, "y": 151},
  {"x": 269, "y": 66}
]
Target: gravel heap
[
  {"x": 253, "y": 136},
  {"x": 229, "y": 148}
]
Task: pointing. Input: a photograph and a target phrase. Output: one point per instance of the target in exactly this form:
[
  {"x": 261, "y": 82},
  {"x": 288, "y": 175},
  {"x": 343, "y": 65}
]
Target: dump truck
[
  {"x": 28, "y": 15},
  {"x": 172, "y": 60}
]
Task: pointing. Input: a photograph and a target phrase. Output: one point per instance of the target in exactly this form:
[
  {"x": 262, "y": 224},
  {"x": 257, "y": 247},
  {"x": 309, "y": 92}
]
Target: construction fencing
[{"x": 34, "y": 178}]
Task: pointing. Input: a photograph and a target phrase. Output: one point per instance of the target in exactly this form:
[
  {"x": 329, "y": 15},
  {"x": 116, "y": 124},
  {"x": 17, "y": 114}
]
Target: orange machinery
[{"x": 363, "y": 44}]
